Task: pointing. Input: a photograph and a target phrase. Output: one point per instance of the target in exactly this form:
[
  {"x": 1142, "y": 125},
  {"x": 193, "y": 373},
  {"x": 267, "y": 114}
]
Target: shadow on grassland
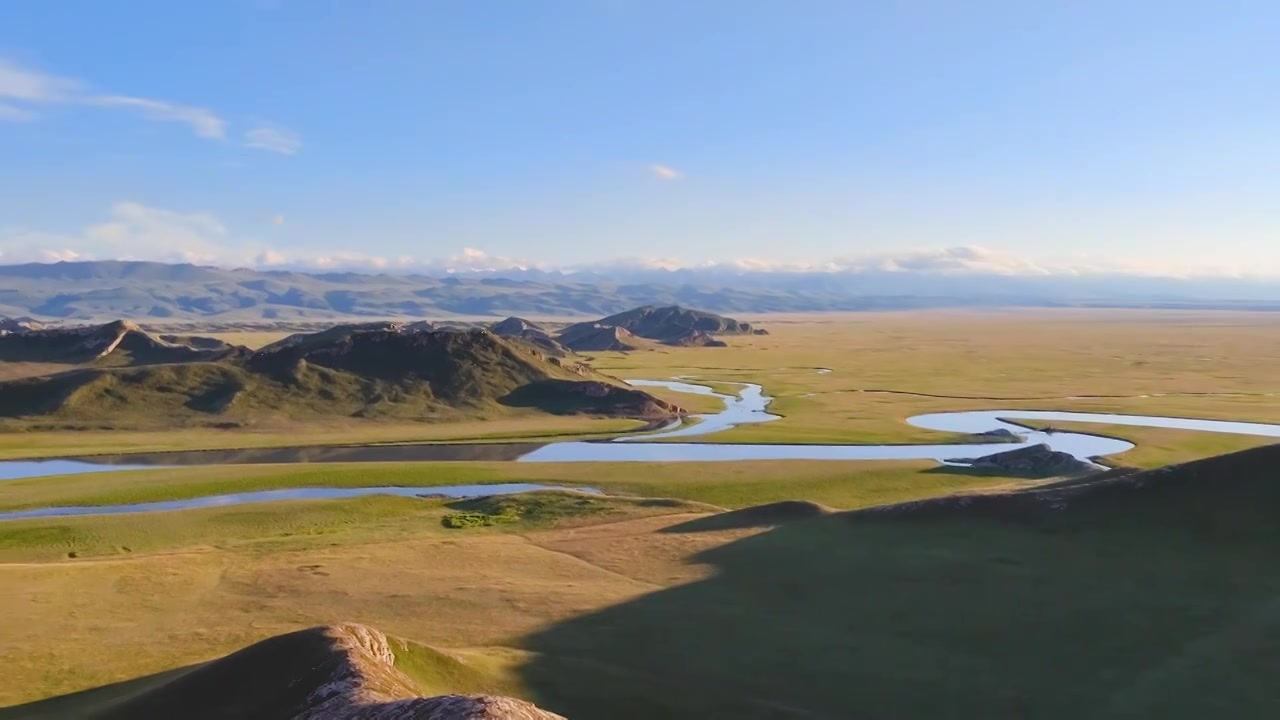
[
  {"x": 99, "y": 702},
  {"x": 1150, "y": 595}
]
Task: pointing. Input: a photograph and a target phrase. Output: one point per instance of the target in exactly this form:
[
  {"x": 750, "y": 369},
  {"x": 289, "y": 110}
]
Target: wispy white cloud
[
  {"x": 953, "y": 262},
  {"x": 202, "y": 122},
  {"x": 269, "y": 258},
  {"x": 33, "y": 86},
  {"x": 13, "y": 113},
  {"x": 961, "y": 259},
  {"x": 475, "y": 260},
  {"x": 273, "y": 139},
  {"x": 665, "y": 172},
  {"x": 23, "y": 90},
  {"x": 135, "y": 231}
]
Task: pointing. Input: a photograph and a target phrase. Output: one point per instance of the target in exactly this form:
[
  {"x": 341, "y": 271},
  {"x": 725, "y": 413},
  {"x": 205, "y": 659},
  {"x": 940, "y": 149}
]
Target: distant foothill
[{"x": 369, "y": 370}]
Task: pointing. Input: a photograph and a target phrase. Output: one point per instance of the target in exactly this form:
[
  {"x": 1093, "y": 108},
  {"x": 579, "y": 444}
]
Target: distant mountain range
[{"x": 159, "y": 293}]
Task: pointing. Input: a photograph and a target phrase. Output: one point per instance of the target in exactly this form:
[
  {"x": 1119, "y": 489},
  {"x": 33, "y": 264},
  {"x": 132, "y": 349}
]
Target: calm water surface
[{"x": 749, "y": 406}]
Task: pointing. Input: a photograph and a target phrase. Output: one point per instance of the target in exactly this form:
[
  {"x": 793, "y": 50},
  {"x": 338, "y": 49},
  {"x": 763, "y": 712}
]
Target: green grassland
[
  {"x": 516, "y": 427},
  {"x": 653, "y": 603},
  {"x": 1210, "y": 365},
  {"x": 53, "y": 560},
  {"x": 728, "y": 485},
  {"x": 932, "y": 361},
  {"x": 179, "y": 588},
  {"x": 301, "y": 524},
  {"x": 1138, "y": 604}
]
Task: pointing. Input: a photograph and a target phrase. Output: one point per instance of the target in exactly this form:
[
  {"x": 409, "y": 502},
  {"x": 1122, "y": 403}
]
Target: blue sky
[{"x": 1062, "y": 136}]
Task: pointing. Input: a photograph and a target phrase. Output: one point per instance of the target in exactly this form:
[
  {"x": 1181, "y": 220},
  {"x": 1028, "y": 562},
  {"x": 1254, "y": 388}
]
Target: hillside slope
[
  {"x": 531, "y": 333},
  {"x": 118, "y": 343},
  {"x": 670, "y": 325},
  {"x": 673, "y": 321},
  {"x": 343, "y": 372},
  {"x": 1141, "y": 595},
  {"x": 1218, "y": 498},
  {"x": 594, "y": 337},
  {"x": 339, "y": 672}
]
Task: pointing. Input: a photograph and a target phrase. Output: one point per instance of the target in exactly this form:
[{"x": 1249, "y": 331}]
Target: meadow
[
  {"x": 700, "y": 589},
  {"x": 885, "y": 367}
]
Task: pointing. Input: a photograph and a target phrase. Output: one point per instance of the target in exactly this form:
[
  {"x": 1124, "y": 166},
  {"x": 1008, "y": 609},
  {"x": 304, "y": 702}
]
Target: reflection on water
[
  {"x": 453, "y": 491},
  {"x": 19, "y": 469}
]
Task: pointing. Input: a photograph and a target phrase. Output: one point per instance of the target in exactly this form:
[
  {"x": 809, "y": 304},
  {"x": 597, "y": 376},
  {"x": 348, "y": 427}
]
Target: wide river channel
[{"x": 749, "y": 406}]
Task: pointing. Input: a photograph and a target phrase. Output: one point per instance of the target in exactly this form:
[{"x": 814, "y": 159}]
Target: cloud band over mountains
[{"x": 135, "y": 231}]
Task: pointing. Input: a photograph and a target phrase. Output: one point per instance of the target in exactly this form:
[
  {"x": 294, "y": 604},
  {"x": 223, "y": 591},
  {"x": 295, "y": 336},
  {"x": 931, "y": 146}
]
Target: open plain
[{"x": 744, "y": 589}]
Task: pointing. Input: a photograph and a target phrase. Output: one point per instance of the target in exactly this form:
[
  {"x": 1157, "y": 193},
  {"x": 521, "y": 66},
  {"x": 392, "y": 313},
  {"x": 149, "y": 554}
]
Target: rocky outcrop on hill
[
  {"x": 339, "y": 672},
  {"x": 1037, "y": 461},
  {"x": 365, "y": 684}
]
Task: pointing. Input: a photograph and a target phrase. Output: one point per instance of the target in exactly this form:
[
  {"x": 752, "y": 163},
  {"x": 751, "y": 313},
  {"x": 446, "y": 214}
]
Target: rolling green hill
[
  {"x": 673, "y": 321},
  {"x": 641, "y": 327},
  {"x": 353, "y": 371}
]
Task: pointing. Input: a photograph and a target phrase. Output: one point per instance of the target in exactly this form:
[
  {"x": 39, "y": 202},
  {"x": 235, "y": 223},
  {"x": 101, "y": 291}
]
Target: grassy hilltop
[{"x": 348, "y": 371}]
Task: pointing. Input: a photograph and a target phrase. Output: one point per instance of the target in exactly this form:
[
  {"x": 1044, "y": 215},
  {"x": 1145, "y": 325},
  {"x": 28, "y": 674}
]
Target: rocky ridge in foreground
[{"x": 336, "y": 672}]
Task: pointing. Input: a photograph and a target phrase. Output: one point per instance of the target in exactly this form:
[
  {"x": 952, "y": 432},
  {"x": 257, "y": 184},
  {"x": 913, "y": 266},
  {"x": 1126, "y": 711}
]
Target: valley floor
[
  {"x": 883, "y": 368},
  {"x": 600, "y": 608},
  {"x": 656, "y": 602}
]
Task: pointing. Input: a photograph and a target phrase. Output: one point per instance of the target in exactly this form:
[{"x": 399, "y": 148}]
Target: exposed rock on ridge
[
  {"x": 339, "y": 672},
  {"x": 115, "y": 343}
]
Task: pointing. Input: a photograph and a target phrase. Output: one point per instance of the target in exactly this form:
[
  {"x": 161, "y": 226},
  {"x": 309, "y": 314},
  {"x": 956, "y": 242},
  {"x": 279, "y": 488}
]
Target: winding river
[{"x": 749, "y": 406}]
